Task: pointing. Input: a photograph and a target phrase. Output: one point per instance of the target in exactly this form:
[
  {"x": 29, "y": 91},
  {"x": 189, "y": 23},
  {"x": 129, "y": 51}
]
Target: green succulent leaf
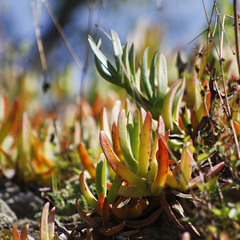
[
  {"x": 90, "y": 198},
  {"x": 121, "y": 170},
  {"x": 168, "y": 103},
  {"x": 153, "y": 73},
  {"x": 105, "y": 67},
  {"x": 124, "y": 142},
  {"x": 132, "y": 60},
  {"x": 145, "y": 78},
  {"x": 117, "y": 49},
  {"x": 125, "y": 60},
  {"x": 113, "y": 191},
  {"x": 101, "y": 176},
  {"x": 136, "y": 135},
  {"x": 161, "y": 76}
]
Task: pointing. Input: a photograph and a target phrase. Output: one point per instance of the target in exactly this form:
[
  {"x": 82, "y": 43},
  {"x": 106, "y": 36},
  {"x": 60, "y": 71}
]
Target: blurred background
[{"x": 164, "y": 25}]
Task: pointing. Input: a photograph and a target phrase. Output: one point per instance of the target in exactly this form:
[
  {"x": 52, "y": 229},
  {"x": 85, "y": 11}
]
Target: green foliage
[{"x": 147, "y": 87}]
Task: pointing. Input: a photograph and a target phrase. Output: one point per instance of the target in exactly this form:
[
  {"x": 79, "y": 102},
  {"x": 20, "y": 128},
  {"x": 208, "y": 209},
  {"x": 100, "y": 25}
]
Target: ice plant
[
  {"x": 23, "y": 235},
  {"x": 142, "y": 165},
  {"x": 47, "y": 223},
  {"x": 148, "y": 87}
]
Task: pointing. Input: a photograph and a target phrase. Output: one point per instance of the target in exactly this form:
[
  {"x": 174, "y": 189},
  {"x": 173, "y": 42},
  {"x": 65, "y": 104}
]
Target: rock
[
  {"x": 24, "y": 204},
  {"x": 7, "y": 216}
]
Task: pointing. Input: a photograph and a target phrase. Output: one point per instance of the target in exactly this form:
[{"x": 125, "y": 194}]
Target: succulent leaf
[
  {"x": 168, "y": 103},
  {"x": 161, "y": 76},
  {"x": 113, "y": 191},
  {"x": 145, "y": 146},
  {"x": 132, "y": 60},
  {"x": 101, "y": 176},
  {"x": 162, "y": 159},
  {"x": 124, "y": 142},
  {"x": 44, "y": 235},
  {"x": 86, "y": 160},
  {"x": 186, "y": 164},
  {"x": 90, "y": 198},
  {"x": 104, "y": 123},
  {"x": 122, "y": 171},
  {"x": 102, "y": 62},
  {"x": 51, "y": 218},
  {"x": 145, "y": 78}
]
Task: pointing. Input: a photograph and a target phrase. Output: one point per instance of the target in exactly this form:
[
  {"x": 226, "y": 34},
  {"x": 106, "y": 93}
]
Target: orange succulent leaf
[
  {"x": 237, "y": 126},
  {"x": 24, "y": 232},
  {"x": 100, "y": 204},
  {"x": 116, "y": 144},
  {"x": 9, "y": 121},
  {"x": 181, "y": 124},
  {"x": 86, "y": 160},
  {"x": 217, "y": 168},
  {"x": 118, "y": 167},
  {"x": 90, "y": 198},
  {"x": 130, "y": 213},
  {"x": 145, "y": 146},
  {"x": 162, "y": 159},
  {"x": 171, "y": 162},
  {"x": 15, "y": 234},
  {"x": 153, "y": 168},
  {"x": 195, "y": 182}
]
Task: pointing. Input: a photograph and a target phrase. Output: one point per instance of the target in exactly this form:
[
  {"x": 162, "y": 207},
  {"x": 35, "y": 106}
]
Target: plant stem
[{"x": 235, "y": 8}]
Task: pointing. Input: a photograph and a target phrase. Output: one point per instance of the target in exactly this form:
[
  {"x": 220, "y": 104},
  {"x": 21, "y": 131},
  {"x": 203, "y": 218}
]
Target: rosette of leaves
[
  {"x": 148, "y": 87},
  {"x": 139, "y": 156}
]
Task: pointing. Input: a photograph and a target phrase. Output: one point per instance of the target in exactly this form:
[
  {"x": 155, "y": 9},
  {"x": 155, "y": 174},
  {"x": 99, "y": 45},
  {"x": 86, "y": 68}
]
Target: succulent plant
[{"x": 149, "y": 88}]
